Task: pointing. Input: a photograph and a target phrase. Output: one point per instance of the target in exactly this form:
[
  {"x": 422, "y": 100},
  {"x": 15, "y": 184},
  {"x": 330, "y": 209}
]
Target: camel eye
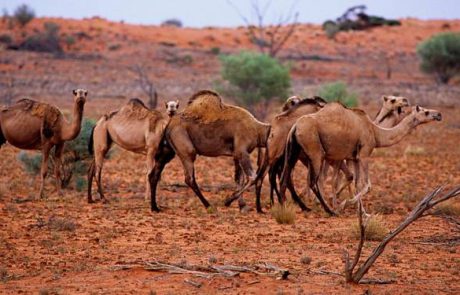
[{"x": 427, "y": 113}]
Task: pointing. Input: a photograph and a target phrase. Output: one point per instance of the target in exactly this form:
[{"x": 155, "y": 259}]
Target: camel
[
  {"x": 211, "y": 128},
  {"x": 133, "y": 127},
  {"x": 337, "y": 133},
  {"x": 293, "y": 108},
  {"x": 33, "y": 125},
  {"x": 390, "y": 114},
  {"x": 172, "y": 107}
]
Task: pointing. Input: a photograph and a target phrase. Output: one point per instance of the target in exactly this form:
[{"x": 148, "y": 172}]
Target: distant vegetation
[
  {"x": 174, "y": 22},
  {"x": 74, "y": 162},
  {"x": 337, "y": 91},
  {"x": 47, "y": 41},
  {"x": 24, "y": 14},
  {"x": 256, "y": 77},
  {"x": 440, "y": 56}
]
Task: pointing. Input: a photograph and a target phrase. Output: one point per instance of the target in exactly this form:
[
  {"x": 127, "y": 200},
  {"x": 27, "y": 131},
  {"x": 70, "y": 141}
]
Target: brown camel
[
  {"x": 337, "y": 133},
  {"x": 33, "y": 125},
  {"x": 390, "y": 114},
  {"x": 133, "y": 127},
  {"x": 210, "y": 128},
  {"x": 293, "y": 108}
]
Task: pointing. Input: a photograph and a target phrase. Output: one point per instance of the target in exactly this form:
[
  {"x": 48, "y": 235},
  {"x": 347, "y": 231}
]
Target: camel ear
[
  {"x": 74, "y": 92},
  {"x": 166, "y": 104},
  {"x": 417, "y": 108},
  {"x": 177, "y": 103},
  {"x": 86, "y": 92},
  {"x": 385, "y": 98}
]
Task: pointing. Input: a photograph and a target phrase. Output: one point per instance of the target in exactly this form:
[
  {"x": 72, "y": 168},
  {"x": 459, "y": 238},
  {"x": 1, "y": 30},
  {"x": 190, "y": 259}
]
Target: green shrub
[
  {"x": 24, "y": 14},
  {"x": 440, "y": 55},
  {"x": 75, "y": 159},
  {"x": 215, "y": 50},
  {"x": 337, "y": 91},
  {"x": 331, "y": 29},
  {"x": 48, "y": 41},
  {"x": 6, "y": 39},
  {"x": 256, "y": 76}
]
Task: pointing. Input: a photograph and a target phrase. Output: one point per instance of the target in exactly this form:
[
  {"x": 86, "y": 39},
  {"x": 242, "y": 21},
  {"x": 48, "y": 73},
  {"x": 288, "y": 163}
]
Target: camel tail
[
  {"x": 291, "y": 154},
  {"x": 91, "y": 141}
]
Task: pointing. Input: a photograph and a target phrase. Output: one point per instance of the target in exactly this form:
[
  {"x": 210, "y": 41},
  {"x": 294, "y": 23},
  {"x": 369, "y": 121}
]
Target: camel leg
[
  {"x": 91, "y": 172},
  {"x": 259, "y": 184},
  {"x": 245, "y": 161},
  {"x": 101, "y": 147},
  {"x": 238, "y": 174},
  {"x": 189, "y": 171},
  {"x": 165, "y": 156},
  {"x": 348, "y": 179},
  {"x": 58, "y": 151},
  {"x": 44, "y": 167},
  {"x": 335, "y": 182},
  {"x": 150, "y": 159}
]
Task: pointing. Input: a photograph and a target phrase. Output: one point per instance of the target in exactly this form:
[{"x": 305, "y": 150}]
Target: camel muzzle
[{"x": 437, "y": 117}]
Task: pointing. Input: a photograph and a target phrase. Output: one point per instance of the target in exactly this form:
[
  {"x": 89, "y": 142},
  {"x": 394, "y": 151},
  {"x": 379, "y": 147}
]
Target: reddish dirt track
[{"x": 36, "y": 258}]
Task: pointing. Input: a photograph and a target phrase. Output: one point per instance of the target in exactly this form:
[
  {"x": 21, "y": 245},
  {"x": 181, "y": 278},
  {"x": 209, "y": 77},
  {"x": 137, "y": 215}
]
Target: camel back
[
  {"x": 206, "y": 107},
  {"x": 136, "y": 109},
  {"x": 290, "y": 109},
  {"x": 45, "y": 111}
]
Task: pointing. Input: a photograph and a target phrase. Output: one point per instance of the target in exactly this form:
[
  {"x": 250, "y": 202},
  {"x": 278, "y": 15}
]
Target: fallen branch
[
  {"x": 208, "y": 271},
  {"x": 427, "y": 203}
]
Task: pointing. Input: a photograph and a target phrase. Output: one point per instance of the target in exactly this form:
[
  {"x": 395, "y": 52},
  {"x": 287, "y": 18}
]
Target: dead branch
[
  {"x": 269, "y": 39},
  {"x": 193, "y": 283},
  {"x": 427, "y": 203},
  {"x": 146, "y": 85},
  {"x": 208, "y": 271}
]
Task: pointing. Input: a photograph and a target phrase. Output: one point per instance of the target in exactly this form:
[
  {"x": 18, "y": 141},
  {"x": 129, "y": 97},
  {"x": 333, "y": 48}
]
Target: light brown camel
[
  {"x": 210, "y": 128},
  {"x": 293, "y": 108},
  {"x": 390, "y": 114},
  {"x": 337, "y": 133},
  {"x": 133, "y": 127},
  {"x": 33, "y": 125}
]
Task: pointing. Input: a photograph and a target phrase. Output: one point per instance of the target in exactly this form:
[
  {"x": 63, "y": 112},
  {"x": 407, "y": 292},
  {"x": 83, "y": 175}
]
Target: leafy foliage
[
  {"x": 440, "y": 55},
  {"x": 24, "y": 14},
  {"x": 337, "y": 91},
  {"x": 47, "y": 41},
  {"x": 255, "y": 76}
]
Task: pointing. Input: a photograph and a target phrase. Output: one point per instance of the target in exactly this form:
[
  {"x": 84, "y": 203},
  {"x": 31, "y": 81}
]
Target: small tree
[
  {"x": 257, "y": 77},
  {"x": 24, "y": 14},
  {"x": 440, "y": 55},
  {"x": 337, "y": 91},
  {"x": 146, "y": 85}
]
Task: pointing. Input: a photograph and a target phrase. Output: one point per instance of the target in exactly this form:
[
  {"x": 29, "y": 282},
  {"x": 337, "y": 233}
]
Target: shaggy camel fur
[
  {"x": 33, "y": 125},
  {"x": 133, "y": 127},
  {"x": 337, "y": 133},
  {"x": 210, "y": 128},
  {"x": 389, "y": 115}
]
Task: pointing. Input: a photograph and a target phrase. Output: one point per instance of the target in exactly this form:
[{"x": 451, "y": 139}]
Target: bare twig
[
  {"x": 428, "y": 202},
  {"x": 193, "y": 283},
  {"x": 269, "y": 39},
  {"x": 146, "y": 85}
]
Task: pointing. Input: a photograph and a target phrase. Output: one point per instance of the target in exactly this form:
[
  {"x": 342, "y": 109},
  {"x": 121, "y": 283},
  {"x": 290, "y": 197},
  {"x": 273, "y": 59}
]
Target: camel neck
[
  {"x": 389, "y": 136},
  {"x": 382, "y": 115},
  {"x": 71, "y": 130}
]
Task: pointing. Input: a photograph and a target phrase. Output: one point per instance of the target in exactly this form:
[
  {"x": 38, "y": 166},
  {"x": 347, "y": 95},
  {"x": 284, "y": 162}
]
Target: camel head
[
  {"x": 80, "y": 95},
  {"x": 172, "y": 107},
  {"x": 393, "y": 103},
  {"x": 290, "y": 102},
  {"x": 421, "y": 115}
]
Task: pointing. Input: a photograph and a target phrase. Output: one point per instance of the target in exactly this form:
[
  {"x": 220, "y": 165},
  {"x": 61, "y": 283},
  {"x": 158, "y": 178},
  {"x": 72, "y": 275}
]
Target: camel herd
[{"x": 319, "y": 134}]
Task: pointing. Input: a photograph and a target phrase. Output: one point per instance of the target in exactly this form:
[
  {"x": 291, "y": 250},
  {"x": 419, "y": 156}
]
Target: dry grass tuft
[
  {"x": 284, "y": 213},
  {"x": 305, "y": 260},
  {"x": 447, "y": 208},
  {"x": 414, "y": 151},
  {"x": 3, "y": 190},
  {"x": 376, "y": 229},
  {"x": 61, "y": 224}
]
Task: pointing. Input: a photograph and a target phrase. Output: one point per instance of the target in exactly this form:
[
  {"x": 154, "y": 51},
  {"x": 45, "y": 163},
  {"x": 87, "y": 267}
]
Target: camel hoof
[
  {"x": 228, "y": 202},
  {"x": 91, "y": 201},
  {"x": 260, "y": 211},
  {"x": 155, "y": 209}
]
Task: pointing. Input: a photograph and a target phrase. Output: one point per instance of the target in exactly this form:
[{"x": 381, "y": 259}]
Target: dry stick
[{"x": 425, "y": 204}]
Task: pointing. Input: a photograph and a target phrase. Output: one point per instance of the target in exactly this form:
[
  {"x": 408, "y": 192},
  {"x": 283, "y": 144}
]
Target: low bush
[
  {"x": 337, "y": 91},
  {"x": 24, "y": 14},
  {"x": 47, "y": 41},
  {"x": 440, "y": 55},
  {"x": 284, "y": 213},
  {"x": 172, "y": 23}
]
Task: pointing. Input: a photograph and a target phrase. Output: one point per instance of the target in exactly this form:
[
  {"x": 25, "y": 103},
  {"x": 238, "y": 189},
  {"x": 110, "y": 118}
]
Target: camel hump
[
  {"x": 205, "y": 106},
  {"x": 49, "y": 113},
  {"x": 136, "y": 102}
]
